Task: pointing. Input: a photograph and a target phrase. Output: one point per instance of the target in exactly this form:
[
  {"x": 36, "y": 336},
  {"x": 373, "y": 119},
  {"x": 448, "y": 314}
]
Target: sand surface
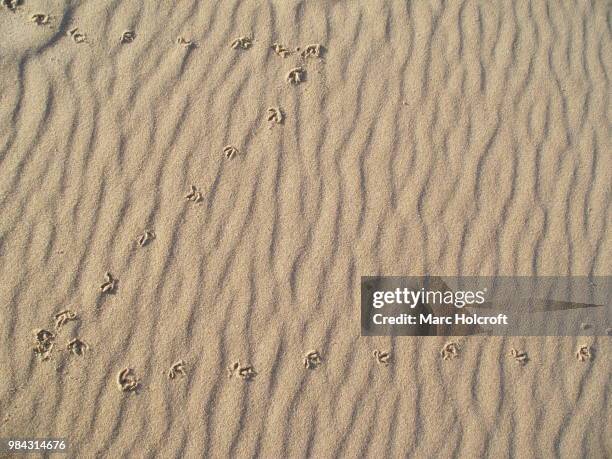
[{"x": 424, "y": 137}]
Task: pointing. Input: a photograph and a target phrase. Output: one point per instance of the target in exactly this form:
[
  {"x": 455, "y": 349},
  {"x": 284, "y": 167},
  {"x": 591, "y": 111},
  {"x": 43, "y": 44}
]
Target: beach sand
[{"x": 236, "y": 167}]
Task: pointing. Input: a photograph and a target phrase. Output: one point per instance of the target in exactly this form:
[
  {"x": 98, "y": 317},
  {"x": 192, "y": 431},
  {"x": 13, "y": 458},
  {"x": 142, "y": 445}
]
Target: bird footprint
[
  {"x": 312, "y": 360},
  {"x": 242, "y": 43},
  {"x": 44, "y": 343},
  {"x": 296, "y": 75},
  {"x": 11, "y": 4},
  {"x": 519, "y": 357},
  {"x": 127, "y": 37},
  {"x": 178, "y": 368},
  {"x": 276, "y": 115},
  {"x": 194, "y": 195},
  {"x": 62, "y": 317},
  {"x": 315, "y": 50},
  {"x": 450, "y": 351},
  {"x": 110, "y": 285},
  {"x": 76, "y": 36},
  {"x": 185, "y": 43},
  {"x": 584, "y": 353},
  {"x": 382, "y": 358},
  {"x": 145, "y": 238},
  {"x": 127, "y": 380},
  {"x": 77, "y": 347},
  {"x": 40, "y": 19},
  {"x": 247, "y": 373},
  {"x": 280, "y": 50},
  {"x": 230, "y": 152}
]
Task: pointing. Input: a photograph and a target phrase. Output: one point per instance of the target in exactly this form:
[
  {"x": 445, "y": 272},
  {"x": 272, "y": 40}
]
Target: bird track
[
  {"x": 584, "y": 353},
  {"x": 177, "y": 368},
  {"x": 312, "y": 360},
  {"x": 242, "y": 43},
  {"x": 383, "y": 358},
  {"x": 146, "y": 238},
  {"x": 62, "y": 317},
  {"x": 450, "y": 351},
  {"x": 77, "y": 36},
  {"x": 296, "y": 75},
  {"x": 44, "y": 343},
  {"x": 275, "y": 115},
  {"x": 40, "y": 19},
  {"x": 315, "y": 50},
  {"x": 519, "y": 357},
  {"x": 194, "y": 195},
  {"x": 230, "y": 152},
  {"x": 247, "y": 372},
  {"x": 77, "y": 347},
  {"x": 280, "y": 50},
  {"x": 185, "y": 42},
  {"x": 110, "y": 285},
  {"x": 127, "y": 380},
  {"x": 127, "y": 37}
]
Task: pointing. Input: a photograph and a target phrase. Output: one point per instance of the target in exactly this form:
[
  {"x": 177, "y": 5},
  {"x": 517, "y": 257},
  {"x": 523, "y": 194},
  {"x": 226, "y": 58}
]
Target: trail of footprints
[
  {"x": 451, "y": 351},
  {"x": 126, "y": 380},
  {"x": 294, "y": 76},
  {"x": 297, "y": 75}
]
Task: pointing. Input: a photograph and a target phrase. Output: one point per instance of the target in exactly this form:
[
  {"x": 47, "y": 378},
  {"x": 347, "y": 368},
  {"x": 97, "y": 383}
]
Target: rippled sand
[{"x": 453, "y": 138}]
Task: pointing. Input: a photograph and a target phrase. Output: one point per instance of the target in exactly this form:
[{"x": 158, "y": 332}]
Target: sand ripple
[{"x": 459, "y": 137}]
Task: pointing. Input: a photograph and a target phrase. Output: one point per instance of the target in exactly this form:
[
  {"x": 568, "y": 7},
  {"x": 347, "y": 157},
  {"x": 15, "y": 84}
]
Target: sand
[{"x": 235, "y": 189}]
